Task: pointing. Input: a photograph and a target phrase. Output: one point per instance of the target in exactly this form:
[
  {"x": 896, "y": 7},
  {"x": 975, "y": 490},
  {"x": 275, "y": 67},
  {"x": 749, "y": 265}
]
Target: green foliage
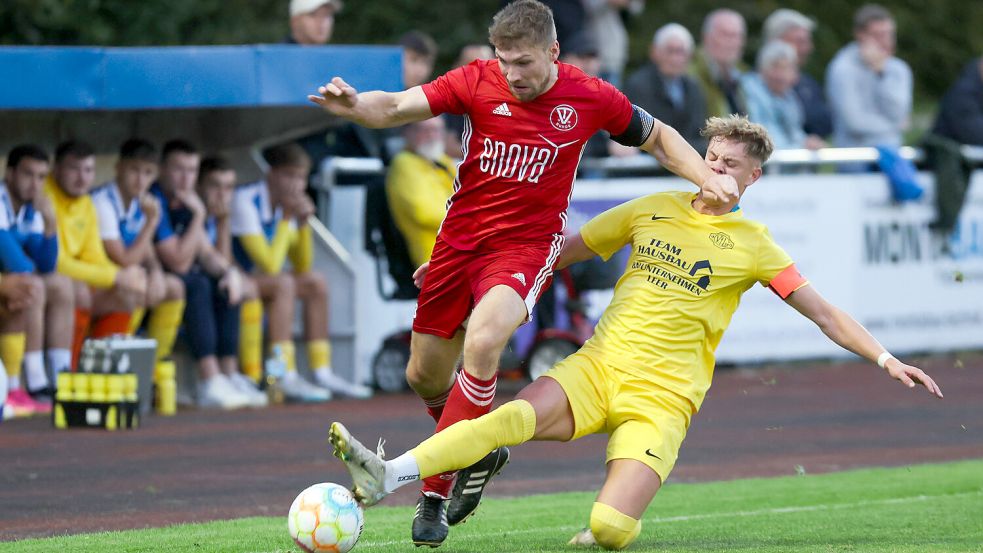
[
  {"x": 913, "y": 509},
  {"x": 936, "y": 38}
]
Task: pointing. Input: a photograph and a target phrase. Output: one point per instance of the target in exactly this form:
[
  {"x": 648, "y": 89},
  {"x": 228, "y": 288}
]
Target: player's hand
[
  {"x": 720, "y": 190},
  {"x": 231, "y": 284},
  {"x": 43, "y": 206},
  {"x": 419, "y": 273},
  {"x": 873, "y": 55},
  {"x": 132, "y": 280},
  {"x": 336, "y": 96},
  {"x": 150, "y": 208},
  {"x": 19, "y": 291},
  {"x": 191, "y": 200},
  {"x": 909, "y": 376}
]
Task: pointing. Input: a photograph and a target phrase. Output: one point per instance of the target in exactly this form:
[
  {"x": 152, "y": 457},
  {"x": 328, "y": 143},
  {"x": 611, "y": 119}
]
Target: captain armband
[{"x": 639, "y": 128}]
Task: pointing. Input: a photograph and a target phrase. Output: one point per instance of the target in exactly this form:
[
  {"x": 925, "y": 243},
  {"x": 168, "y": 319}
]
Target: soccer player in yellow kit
[{"x": 647, "y": 368}]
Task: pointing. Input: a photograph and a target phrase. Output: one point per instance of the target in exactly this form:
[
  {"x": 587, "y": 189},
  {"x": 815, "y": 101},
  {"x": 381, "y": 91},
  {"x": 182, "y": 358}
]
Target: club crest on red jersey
[{"x": 563, "y": 117}]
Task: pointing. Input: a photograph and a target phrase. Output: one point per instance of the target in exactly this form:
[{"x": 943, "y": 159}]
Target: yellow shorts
[{"x": 646, "y": 422}]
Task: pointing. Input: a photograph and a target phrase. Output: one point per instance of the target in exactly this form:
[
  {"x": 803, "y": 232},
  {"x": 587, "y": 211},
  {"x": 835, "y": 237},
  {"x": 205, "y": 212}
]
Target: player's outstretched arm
[
  {"x": 574, "y": 251},
  {"x": 374, "y": 109},
  {"x": 676, "y": 155},
  {"x": 846, "y": 332}
]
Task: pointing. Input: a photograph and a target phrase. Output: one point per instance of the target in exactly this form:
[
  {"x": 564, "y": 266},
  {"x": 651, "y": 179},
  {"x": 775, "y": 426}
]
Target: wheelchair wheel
[
  {"x": 547, "y": 353},
  {"x": 389, "y": 365}
]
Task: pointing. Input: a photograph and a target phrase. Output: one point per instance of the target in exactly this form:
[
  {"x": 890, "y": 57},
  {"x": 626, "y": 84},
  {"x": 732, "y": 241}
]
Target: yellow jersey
[
  {"x": 417, "y": 191},
  {"x": 682, "y": 284},
  {"x": 81, "y": 255}
]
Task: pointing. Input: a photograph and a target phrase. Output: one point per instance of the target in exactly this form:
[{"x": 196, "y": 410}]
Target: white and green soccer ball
[{"x": 325, "y": 518}]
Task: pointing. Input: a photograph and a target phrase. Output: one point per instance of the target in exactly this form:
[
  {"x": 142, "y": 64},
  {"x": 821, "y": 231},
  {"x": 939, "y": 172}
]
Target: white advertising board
[{"x": 877, "y": 260}]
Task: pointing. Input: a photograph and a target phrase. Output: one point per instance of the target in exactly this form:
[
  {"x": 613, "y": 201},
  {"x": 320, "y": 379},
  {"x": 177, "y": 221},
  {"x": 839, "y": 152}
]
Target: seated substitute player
[
  {"x": 646, "y": 370},
  {"x": 29, "y": 244},
  {"x": 129, "y": 225},
  {"x": 212, "y": 282},
  {"x": 528, "y": 119},
  {"x": 102, "y": 289},
  {"x": 269, "y": 223},
  {"x": 18, "y": 291}
]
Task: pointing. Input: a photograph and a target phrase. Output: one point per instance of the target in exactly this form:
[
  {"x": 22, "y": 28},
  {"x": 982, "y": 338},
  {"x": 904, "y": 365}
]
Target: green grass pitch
[{"x": 923, "y": 508}]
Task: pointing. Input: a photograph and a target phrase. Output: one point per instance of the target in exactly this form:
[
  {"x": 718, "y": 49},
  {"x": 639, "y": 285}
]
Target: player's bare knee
[
  {"x": 483, "y": 344},
  {"x": 174, "y": 288},
  {"x": 59, "y": 289},
  {"x": 83, "y": 295},
  {"x": 612, "y": 529},
  {"x": 312, "y": 285},
  {"x": 425, "y": 383},
  {"x": 284, "y": 285}
]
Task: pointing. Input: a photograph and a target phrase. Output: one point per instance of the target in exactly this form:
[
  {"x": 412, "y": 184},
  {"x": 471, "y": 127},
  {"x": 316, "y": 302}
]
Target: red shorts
[{"x": 458, "y": 279}]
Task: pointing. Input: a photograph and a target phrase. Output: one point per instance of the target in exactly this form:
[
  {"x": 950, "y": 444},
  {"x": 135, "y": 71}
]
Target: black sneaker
[
  {"x": 471, "y": 482},
  {"x": 430, "y": 521}
]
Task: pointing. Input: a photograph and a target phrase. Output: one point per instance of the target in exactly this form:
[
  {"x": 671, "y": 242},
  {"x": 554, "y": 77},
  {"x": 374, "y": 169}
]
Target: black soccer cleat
[
  {"x": 430, "y": 521},
  {"x": 471, "y": 483}
]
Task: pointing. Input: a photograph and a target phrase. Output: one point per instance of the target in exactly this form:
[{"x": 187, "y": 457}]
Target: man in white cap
[{"x": 311, "y": 21}]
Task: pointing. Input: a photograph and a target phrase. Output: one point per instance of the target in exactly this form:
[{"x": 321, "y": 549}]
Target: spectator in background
[
  {"x": 771, "y": 100},
  {"x": 960, "y": 115},
  {"x": 129, "y": 217},
  {"x": 29, "y": 245},
  {"x": 419, "y": 57},
  {"x": 663, "y": 88},
  {"x": 268, "y": 224},
  {"x": 569, "y": 17},
  {"x": 606, "y": 19},
  {"x": 796, "y": 29},
  {"x": 103, "y": 291},
  {"x": 869, "y": 89},
  {"x": 419, "y": 181},
  {"x": 960, "y": 121},
  {"x": 312, "y": 21},
  {"x": 455, "y": 123},
  {"x": 717, "y": 64}
]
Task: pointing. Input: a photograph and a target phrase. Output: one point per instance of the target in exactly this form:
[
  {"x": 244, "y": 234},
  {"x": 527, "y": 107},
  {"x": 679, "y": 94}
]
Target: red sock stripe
[
  {"x": 478, "y": 392},
  {"x": 438, "y": 401}
]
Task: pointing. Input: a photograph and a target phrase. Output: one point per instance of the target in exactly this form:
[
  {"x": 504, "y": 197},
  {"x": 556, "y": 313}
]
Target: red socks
[{"x": 468, "y": 398}]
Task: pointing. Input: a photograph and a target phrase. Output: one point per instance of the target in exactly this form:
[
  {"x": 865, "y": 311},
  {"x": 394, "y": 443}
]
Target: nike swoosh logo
[
  {"x": 650, "y": 454},
  {"x": 656, "y": 217}
]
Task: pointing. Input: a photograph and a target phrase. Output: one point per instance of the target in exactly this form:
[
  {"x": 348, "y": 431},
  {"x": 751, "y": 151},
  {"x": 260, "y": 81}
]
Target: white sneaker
[
  {"x": 584, "y": 538},
  {"x": 219, "y": 392},
  {"x": 244, "y": 385},
  {"x": 296, "y": 388},
  {"x": 325, "y": 378}
]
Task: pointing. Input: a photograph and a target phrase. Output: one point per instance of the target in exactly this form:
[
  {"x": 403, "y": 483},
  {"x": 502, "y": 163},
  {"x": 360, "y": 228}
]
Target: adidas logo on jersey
[
  {"x": 502, "y": 109},
  {"x": 520, "y": 277}
]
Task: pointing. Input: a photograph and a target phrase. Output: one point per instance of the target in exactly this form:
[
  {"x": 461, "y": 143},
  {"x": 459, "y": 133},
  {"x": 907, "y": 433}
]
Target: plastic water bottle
[{"x": 275, "y": 367}]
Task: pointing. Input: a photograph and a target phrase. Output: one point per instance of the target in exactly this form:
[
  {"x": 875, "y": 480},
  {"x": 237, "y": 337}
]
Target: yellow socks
[
  {"x": 251, "y": 339},
  {"x": 165, "y": 319},
  {"x": 136, "y": 319},
  {"x": 12, "y": 354},
  {"x": 318, "y": 354},
  {"x": 465, "y": 443},
  {"x": 611, "y": 528}
]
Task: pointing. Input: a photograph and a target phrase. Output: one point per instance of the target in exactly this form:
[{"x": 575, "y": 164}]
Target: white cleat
[
  {"x": 584, "y": 538},
  {"x": 368, "y": 469}
]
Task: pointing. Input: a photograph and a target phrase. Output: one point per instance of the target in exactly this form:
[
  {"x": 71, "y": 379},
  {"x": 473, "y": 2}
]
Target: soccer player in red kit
[{"x": 527, "y": 120}]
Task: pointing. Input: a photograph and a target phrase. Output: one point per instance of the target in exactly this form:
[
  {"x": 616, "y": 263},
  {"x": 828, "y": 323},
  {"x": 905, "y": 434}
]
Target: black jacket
[{"x": 646, "y": 89}]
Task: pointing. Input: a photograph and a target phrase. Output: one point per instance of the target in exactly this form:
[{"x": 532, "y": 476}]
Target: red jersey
[{"x": 520, "y": 158}]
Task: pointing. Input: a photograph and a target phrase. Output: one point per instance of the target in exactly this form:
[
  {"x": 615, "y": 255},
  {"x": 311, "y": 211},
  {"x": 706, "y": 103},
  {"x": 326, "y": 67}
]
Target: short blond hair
[
  {"x": 738, "y": 128},
  {"x": 523, "y": 23}
]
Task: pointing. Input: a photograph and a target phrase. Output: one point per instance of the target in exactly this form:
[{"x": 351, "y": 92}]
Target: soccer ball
[{"x": 325, "y": 518}]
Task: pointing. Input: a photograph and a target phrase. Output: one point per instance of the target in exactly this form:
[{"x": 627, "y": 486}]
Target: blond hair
[
  {"x": 523, "y": 23},
  {"x": 734, "y": 127}
]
